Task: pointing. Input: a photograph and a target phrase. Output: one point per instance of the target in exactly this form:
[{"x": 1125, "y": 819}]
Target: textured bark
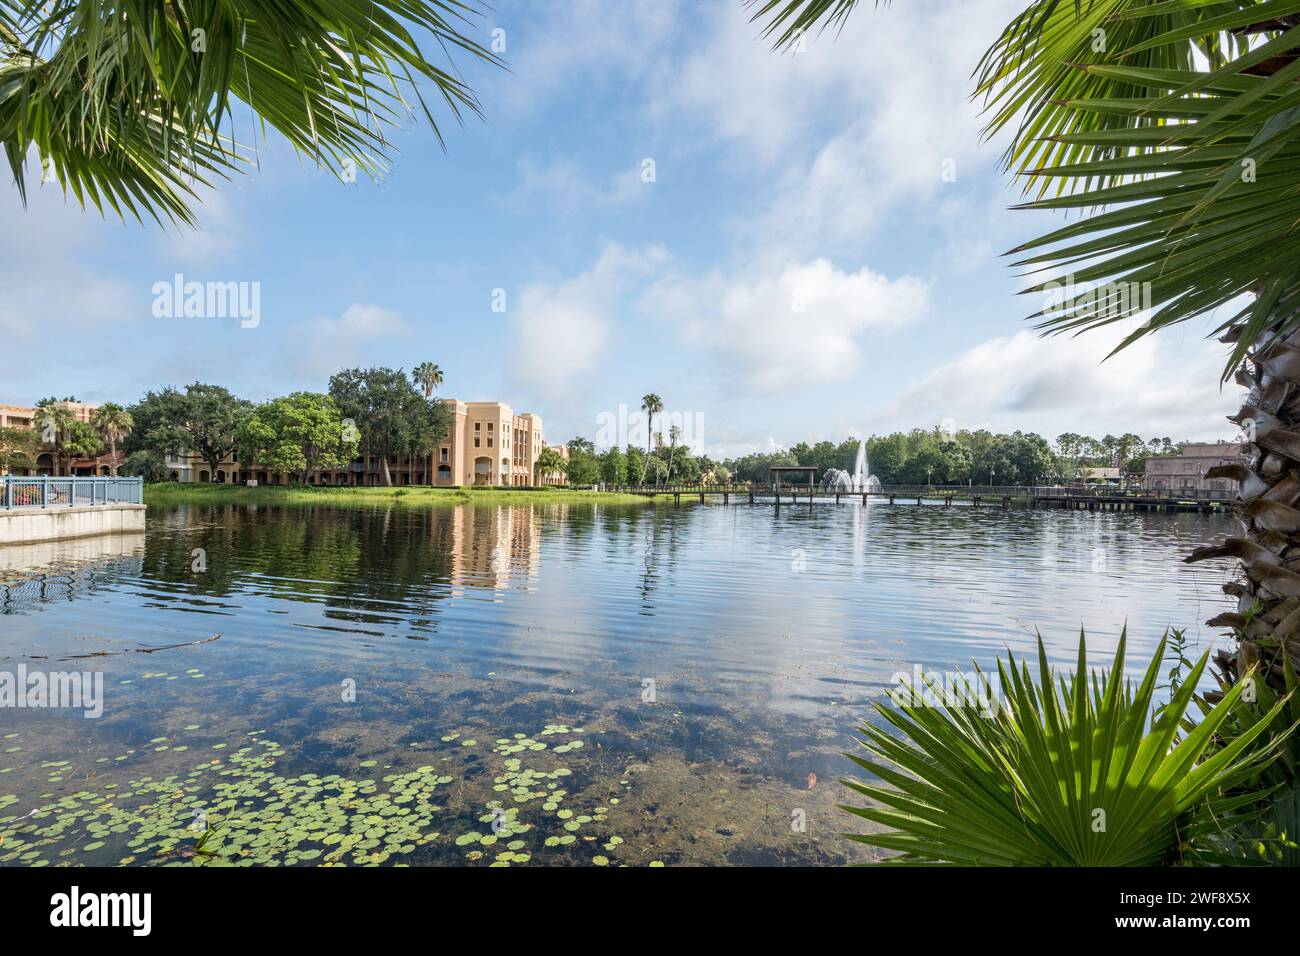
[{"x": 1267, "y": 620}]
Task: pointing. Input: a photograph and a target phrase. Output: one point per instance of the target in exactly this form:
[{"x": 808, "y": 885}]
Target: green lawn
[{"x": 171, "y": 492}]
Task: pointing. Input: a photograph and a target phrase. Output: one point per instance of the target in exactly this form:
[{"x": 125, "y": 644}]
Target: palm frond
[
  {"x": 1173, "y": 127},
  {"x": 133, "y": 106},
  {"x": 789, "y": 20},
  {"x": 1077, "y": 769}
]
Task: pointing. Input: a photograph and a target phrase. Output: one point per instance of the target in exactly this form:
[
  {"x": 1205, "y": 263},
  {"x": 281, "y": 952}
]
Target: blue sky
[{"x": 799, "y": 268}]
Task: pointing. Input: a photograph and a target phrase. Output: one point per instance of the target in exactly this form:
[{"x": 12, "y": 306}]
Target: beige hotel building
[
  {"x": 25, "y": 417},
  {"x": 486, "y": 444}
]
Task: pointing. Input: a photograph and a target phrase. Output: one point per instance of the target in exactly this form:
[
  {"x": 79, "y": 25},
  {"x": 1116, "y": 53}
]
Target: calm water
[{"x": 545, "y": 684}]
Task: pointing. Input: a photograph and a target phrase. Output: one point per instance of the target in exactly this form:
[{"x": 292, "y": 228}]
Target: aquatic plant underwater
[{"x": 232, "y": 808}]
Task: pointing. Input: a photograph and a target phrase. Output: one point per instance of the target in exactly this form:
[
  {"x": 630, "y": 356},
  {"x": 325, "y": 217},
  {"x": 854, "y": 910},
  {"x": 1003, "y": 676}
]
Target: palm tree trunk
[
  {"x": 1268, "y": 598},
  {"x": 112, "y": 456}
]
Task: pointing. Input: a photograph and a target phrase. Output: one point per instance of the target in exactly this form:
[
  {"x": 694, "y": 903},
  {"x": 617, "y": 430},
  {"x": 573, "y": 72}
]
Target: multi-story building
[
  {"x": 17, "y": 416},
  {"x": 28, "y": 417},
  {"x": 1186, "y": 471},
  {"x": 488, "y": 444}
]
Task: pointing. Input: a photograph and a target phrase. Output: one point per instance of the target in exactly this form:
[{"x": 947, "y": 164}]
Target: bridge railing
[
  {"x": 71, "y": 491},
  {"x": 907, "y": 491},
  {"x": 1063, "y": 491}
]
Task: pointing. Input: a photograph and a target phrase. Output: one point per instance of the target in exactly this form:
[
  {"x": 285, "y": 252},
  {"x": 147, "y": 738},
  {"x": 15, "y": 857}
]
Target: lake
[{"x": 547, "y": 684}]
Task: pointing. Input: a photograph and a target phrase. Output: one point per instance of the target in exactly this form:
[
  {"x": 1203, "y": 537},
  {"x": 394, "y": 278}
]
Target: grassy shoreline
[{"x": 177, "y": 493}]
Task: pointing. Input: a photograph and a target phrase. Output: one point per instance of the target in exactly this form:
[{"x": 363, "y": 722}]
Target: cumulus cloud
[
  {"x": 560, "y": 330},
  {"x": 845, "y": 131},
  {"x": 735, "y": 87},
  {"x": 1166, "y": 385},
  {"x": 803, "y": 324},
  {"x": 318, "y": 347}
]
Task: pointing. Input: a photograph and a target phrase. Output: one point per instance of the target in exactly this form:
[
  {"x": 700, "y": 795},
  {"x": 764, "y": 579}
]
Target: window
[
  {"x": 476, "y": 440},
  {"x": 442, "y": 455}
]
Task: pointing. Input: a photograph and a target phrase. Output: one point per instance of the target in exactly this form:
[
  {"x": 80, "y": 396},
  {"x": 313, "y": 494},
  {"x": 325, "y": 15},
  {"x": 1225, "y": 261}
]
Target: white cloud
[
  {"x": 1166, "y": 385},
  {"x": 318, "y": 347},
  {"x": 561, "y": 330},
  {"x": 864, "y": 120},
  {"x": 890, "y": 66},
  {"x": 579, "y": 43},
  {"x": 803, "y": 324}
]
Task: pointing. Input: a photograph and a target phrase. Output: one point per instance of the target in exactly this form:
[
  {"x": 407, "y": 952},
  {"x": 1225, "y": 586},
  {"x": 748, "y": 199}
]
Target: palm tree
[
  {"x": 428, "y": 376},
  {"x": 549, "y": 463},
  {"x": 133, "y": 106},
  {"x": 652, "y": 405},
  {"x": 54, "y": 421},
  {"x": 1174, "y": 130},
  {"x": 112, "y": 421},
  {"x": 674, "y": 434}
]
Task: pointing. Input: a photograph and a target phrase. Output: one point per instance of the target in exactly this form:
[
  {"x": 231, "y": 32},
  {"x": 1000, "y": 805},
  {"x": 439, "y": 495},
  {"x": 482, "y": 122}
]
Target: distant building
[
  {"x": 1186, "y": 471},
  {"x": 488, "y": 444},
  {"x": 28, "y": 417},
  {"x": 17, "y": 416},
  {"x": 1099, "y": 474}
]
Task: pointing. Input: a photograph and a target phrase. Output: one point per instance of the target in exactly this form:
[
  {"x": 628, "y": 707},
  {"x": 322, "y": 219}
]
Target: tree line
[
  {"x": 938, "y": 456},
  {"x": 664, "y": 461},
  {"x": 378, "y": 412}
]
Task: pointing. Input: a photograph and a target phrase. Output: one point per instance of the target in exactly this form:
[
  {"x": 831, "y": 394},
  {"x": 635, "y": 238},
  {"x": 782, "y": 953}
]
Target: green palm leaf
[
  {"x": 132, "y": 106},
  {"x": 1072, "y": 770}
]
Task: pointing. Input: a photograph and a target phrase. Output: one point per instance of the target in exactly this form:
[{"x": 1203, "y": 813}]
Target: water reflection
[
  {"x": 765, "y": 634},
  {"x": 34, "y": 574}
]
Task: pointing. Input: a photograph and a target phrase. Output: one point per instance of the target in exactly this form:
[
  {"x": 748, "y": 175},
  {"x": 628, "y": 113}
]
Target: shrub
[{"x": 1078, "y": 770}]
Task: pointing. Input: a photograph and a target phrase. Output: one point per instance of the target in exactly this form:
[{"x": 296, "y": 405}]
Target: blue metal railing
[{"x": 45, "y": 491}]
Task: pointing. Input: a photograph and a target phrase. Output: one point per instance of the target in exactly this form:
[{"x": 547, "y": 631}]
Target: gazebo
[{"x": 777, "y": 471}]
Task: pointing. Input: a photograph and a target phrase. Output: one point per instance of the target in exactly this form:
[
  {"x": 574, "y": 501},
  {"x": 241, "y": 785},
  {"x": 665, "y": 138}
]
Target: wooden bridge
[{"x": 1005, "y": 496}]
